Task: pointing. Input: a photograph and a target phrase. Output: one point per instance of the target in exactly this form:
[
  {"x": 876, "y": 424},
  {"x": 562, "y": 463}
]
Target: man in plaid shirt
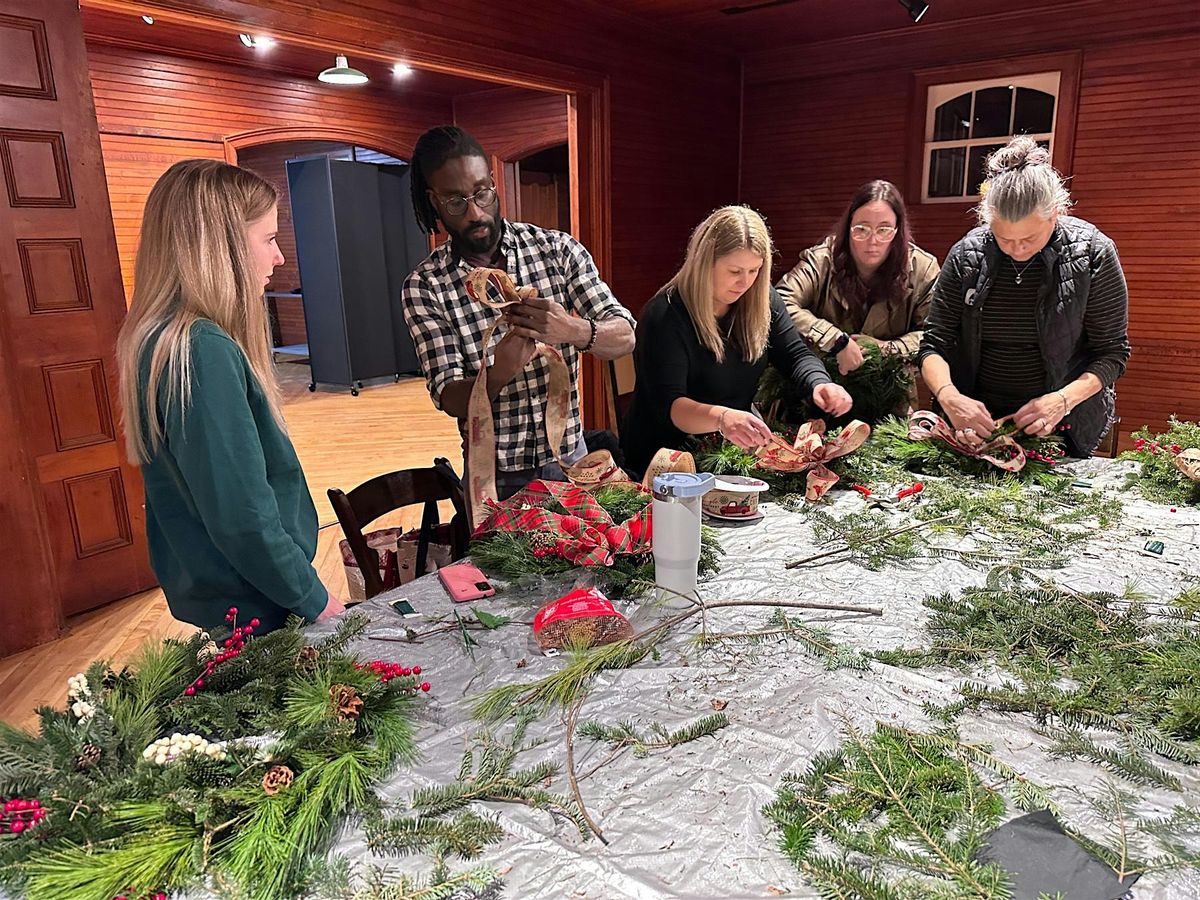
[{"x": 452, "y": 187}]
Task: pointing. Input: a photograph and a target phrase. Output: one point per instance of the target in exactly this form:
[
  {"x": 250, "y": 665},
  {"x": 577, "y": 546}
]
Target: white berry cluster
[
  {"x": 80, "y": 695},
  {"x": 168, "y": 749}
]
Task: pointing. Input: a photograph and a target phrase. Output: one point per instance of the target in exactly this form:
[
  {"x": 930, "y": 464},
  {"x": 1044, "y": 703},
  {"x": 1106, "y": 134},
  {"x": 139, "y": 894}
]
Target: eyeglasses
[
  {"x": 863, "y": 232},
  {"x": 456, "y": 206}
]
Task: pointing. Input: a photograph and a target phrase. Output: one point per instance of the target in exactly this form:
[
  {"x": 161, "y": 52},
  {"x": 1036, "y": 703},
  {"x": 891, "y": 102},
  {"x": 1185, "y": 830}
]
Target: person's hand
[
  {"x": 744, "y": 429},
  {"x": 1041, "y": 415},
  {"x": 514, "y": 351},
  {"x": 849, "y": 358},
  {"x": 832, "y": 398},
  {"x": 972, "y": 422},
  {"x": 546, "y": 321},
  {"x": 333, "y": 607}
]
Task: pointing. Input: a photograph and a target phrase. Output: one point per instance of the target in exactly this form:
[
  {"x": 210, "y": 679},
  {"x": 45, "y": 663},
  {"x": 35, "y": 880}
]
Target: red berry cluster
[
  {"x": 1155, "y": 447},
  {"x": 917, "y": 487},
  {"x": 1050, "y": 454},
  {"x": 389, "y": 670},
  {"x": 157, "y": 895},
  {"x": 20, "y": 815},
  {"x": 233, "y": 649}
]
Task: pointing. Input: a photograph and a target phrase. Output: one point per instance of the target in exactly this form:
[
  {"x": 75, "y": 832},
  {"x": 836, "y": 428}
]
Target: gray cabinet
[{"x": 357, "y": 240}]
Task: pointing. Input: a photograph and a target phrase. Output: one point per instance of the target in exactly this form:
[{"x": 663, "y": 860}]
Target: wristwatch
[{"x": 841, "y": 343}]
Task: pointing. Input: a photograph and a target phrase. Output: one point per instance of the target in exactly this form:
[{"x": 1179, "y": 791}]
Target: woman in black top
[
  {"x": 1029, "y": 314},
  {"x": 707, "y": 336}
]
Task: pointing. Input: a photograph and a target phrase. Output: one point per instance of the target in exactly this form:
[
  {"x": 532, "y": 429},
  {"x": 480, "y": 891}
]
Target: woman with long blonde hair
[
  {"x": 705, "y": 339},
  {"x": 229, "y": 516}
]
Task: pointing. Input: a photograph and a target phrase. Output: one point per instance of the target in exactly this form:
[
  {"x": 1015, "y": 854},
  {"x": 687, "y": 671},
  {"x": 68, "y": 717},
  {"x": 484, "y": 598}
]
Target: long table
[{"x": 686, "y": 822}]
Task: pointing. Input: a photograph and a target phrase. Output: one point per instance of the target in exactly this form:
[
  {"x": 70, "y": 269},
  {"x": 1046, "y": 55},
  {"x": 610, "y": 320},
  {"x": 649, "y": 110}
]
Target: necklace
[{"x": 1022, "y": 271}]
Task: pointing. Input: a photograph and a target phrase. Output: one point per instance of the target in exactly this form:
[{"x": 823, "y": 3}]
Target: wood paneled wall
[
  {"x": 510, "y": 122},
  {"x": 155, "y": 109},
  {"x": 820, "y": 120}
]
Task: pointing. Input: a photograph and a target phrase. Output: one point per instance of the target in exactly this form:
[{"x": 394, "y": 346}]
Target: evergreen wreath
[
  {"x": 513, "y": 556},
  {"x": 880, "y": 387},
  {"x": 1158, "y": 478},
  {"x": 197, "y": 764}
]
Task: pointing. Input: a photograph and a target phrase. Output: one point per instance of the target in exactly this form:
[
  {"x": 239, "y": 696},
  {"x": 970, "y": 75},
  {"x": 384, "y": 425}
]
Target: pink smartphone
[{"x": 464, "y": 582}]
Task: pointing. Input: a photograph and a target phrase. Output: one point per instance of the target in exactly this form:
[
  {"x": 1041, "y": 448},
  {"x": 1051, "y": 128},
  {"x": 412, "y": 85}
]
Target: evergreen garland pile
[
  {"x": 1158, "y": 478},
  {"x": 152, "y": 778},
  {"x": 1123, "y": 665},
  {"x": 880, "y": 387},
  {"x": 510, "y": 555}
]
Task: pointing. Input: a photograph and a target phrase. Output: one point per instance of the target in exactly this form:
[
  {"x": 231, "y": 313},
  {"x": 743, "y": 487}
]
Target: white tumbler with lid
[{"x": 675, "y": 523}]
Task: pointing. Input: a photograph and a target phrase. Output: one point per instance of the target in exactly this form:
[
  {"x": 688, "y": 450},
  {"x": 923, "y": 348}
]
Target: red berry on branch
[
  {"x": 425, "y": 685},
  {"x": 416, "y": 670},
  {"x": 191, "y": 692},
  {"x": 254, "y": 623},
  {"x": 17, "y": 827},
  {"x": 233, "y": 610}
]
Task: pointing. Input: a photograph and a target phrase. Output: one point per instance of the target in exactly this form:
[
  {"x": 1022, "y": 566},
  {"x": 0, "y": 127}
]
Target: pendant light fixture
[{"x": 341, "y": 73}]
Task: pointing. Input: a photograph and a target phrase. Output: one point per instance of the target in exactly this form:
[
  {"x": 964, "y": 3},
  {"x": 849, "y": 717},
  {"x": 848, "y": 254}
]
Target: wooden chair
[
  {"x": 393, "y": 491},
  {"x": 622, "y": 377},
  {"x": 1109, "y": 443}
]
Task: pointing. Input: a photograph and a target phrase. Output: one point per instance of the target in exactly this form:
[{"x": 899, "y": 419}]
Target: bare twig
[{"x": 572, "y": 719}]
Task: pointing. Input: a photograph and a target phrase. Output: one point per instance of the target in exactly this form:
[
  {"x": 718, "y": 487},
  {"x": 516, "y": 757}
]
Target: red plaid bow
[{"x": 586, "y": 536}]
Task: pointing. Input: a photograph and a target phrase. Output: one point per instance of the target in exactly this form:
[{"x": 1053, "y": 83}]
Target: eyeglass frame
[
  {"x": 467, "y": 201},
  {"x": 873, "y": 232}
]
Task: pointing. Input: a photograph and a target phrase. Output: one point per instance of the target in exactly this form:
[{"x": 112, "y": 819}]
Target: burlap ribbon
[
  {"x": 924, "y": 425},
  {"x": 586, "y": 535},
  {"x": 1188, "y": 462},
  {"x": 596, "y": 469},
  {"x": 810, "y": 451}
]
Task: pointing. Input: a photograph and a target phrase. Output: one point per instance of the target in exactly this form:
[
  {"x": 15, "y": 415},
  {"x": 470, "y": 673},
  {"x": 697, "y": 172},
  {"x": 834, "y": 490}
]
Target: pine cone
[
  {"x": 276, "y": 779},
  {"x": 345, "y": 698},
  {"x": 88, "y": 756},
  {"x": 543, "y": 540},
  {"x": 306, "y": 659}
]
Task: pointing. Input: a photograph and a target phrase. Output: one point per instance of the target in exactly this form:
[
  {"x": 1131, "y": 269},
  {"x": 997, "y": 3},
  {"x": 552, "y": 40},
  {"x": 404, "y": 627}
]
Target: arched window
[{"x": 965, "y": 122}]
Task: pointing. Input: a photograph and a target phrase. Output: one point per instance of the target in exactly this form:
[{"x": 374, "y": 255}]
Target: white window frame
[{"x": 1047, "y": 82}]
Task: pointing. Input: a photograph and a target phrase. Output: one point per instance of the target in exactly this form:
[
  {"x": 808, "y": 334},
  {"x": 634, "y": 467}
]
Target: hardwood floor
[{"x": 341, "y": 441}]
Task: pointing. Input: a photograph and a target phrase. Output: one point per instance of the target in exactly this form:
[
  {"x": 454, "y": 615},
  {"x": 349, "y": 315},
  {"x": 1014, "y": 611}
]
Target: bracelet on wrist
[
  {"x": 937, "y": 393},
  {"x": 592, "y": 339},
  {"x": 1066, "y": 402},
  {"x": 721, "y": 422}
]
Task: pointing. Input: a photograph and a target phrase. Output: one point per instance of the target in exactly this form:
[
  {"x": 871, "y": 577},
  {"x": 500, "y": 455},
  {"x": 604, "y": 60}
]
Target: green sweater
[{"x": 228, "y": 514}]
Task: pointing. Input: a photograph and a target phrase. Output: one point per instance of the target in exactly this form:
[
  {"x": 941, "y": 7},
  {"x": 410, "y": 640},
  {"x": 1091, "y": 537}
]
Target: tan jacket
[{"x": 821, "y": 316}]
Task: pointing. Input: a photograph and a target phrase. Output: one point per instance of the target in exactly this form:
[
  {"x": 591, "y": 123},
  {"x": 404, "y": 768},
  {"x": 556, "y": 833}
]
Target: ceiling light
[
  {"x": 916, "y": 8},
  {"x": 341, "y": 73},
  {"x": 149, "y": 20},
  {"x": 400, "y": 70},
  {"x": 262, "y": 42}
]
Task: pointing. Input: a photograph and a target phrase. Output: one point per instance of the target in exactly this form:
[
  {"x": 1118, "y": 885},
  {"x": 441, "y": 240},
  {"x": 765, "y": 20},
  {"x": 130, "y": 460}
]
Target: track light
[
  {"x": 262, "y": 43},
  {"x": 149, "y": 20},
  {"x": 400, "y": 70},
  {"x": 341, "y": 73},
  {"x": 916, "y": 8}
]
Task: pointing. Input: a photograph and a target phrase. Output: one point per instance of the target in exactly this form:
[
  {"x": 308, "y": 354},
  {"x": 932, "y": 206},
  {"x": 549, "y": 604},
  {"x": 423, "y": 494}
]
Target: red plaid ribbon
[{"x": 586, "y": 536}]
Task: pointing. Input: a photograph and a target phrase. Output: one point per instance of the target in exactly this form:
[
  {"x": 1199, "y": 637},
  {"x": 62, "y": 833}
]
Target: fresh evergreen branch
[
  {"x": 1158, "y": 478},
  {"x": 815, "y": 641},
  {"x": 464, "y": 836},
  {"x": 626, "y": 735}
]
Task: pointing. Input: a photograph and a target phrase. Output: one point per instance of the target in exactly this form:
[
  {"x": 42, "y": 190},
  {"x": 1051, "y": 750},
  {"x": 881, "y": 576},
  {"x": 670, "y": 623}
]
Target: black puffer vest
[{"x": 1070, "y": 257}]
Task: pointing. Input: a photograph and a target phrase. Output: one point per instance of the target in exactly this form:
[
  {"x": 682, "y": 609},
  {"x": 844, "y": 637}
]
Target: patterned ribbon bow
[
  {"x": 585, "y": 536},
  {"x": 1188, "y": 462},
  {"x": 810, "y": 451},
  {"x": 924, "y": 425}
]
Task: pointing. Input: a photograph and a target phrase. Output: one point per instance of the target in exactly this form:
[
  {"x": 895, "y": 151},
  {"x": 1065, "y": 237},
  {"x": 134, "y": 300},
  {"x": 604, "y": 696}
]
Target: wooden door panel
[{"x": 61, "y": 302}]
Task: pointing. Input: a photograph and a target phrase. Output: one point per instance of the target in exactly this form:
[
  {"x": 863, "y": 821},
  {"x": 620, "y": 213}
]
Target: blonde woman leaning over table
[{"x": 705, "y": 339}]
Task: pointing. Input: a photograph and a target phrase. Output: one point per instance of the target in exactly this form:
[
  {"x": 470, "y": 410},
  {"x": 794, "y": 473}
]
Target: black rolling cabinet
[{"x": 356, "y": 241}]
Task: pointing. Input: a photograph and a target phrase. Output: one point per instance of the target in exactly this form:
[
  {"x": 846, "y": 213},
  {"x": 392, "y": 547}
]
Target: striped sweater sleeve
[{"x": 1106, "y": 320}]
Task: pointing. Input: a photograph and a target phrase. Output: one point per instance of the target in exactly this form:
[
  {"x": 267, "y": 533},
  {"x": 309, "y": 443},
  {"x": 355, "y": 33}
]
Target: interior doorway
[{"x": 542, "y": 182}]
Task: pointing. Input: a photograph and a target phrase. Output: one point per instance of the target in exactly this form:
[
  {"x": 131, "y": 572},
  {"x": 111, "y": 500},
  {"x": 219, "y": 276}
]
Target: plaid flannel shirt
[{"x": 448, "y": 329}]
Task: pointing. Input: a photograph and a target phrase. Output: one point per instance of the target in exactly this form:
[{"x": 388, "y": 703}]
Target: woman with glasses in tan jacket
[{"x": 867, "y": 282}]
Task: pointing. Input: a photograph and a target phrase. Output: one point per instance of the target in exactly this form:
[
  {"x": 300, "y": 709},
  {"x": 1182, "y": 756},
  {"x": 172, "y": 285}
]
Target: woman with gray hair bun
[{"x": 1029, "y": 314}]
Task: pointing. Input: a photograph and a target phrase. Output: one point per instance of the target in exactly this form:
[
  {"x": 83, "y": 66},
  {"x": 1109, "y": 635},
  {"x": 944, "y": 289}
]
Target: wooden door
[{"x": 72, "y": 509}]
